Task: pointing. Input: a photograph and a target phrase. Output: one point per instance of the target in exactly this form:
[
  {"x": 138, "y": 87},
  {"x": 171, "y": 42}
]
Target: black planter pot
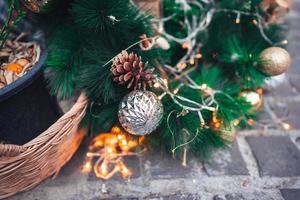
[{"x": 26, "y": 108}]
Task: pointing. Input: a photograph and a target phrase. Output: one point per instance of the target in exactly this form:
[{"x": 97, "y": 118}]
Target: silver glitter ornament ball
[{"x": 140, "y": 112}]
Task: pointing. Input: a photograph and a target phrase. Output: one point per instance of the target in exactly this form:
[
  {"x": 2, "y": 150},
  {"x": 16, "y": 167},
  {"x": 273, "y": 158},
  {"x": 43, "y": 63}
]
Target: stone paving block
[
  {"x": 245, "y": 196},
  {"x": 288, "y": 112},
  {"x": 276, "y": 156},
  {"x": 76, "y": 197},
  {"x": 226, "y": 162},
  {"x": 284, "y": 89},
  {"x": 295, "y": 137},
  {"x": 293, "y": 16},
  {"x": 295, "y": 80},
  {"x": 263, "y": 120},
  {"x": 290, "y": 194},
  {"x": 127, "y": 198},
  {"x": 175, "y": 197},
  {"x": 162, "y": 165}
]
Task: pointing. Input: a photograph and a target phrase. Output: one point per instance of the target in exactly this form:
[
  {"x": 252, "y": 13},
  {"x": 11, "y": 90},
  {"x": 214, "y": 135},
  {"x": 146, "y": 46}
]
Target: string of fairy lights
[
  {"x": 108, "y": 151},
  {"x": 194, "y": 26}
]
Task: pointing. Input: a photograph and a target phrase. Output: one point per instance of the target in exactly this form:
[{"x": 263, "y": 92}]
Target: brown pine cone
[{"x": 129, "y": 69}]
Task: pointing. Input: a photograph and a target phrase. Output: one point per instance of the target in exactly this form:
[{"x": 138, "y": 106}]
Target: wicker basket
[{"x": 23, "y": 167}]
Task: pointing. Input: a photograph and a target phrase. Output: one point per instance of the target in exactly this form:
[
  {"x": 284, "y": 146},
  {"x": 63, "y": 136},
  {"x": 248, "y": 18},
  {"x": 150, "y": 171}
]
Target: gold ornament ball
[
  {"x": 276, "y": 61},
  {"x": 229, "y": 135},
  {"x": 254, "y": 98}
]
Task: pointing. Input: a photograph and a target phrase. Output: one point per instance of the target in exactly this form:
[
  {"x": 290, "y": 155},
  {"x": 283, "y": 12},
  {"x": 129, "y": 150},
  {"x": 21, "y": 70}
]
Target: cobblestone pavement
[{"x": 263, "y": 164}]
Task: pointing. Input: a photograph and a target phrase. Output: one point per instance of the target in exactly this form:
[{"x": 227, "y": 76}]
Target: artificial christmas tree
[{"x": 216, "y": 61}]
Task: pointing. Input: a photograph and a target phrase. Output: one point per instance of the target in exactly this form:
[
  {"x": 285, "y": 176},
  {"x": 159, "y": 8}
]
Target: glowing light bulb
[
  {"x": 185, "y": 45},
  {"x": 238, "y": 18},
  {"x": 89, "y": 154},
  {"x": 115, "y": 129},
  {"x": 98, "y": 143},
  {"x": 251, "y": 122},
  {"x": 125, "y": 170},
  {"x": 176, "y": 91},
  {"x": 120, "y": 137},
  {"x": 192, "y": 61},
  {"x": 234, "y": 57},
  {"x": 165, "y": 81},
  {"x": 286, "y": 126},
  {"x": 124, "y": 142},
  {"x": 181, "y": 65},
  {"x": 198, "y": 55},
  {"x": 236, "y": 122},
  {"x": 103, "y": 169},
  {"x": 203, "y": 86},
  {"x": 156, "y": 85},
  {"x": 87, "y": 167},
  {"x": 109, "y": 150},
  {"x": 116, "y": 145}
]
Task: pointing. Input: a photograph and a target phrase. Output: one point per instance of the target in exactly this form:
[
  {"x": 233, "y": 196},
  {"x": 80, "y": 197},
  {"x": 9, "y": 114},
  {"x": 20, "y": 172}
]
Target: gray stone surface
[
  {"x": 290, "y": 194},
  {"x": 226, "y": 162},
  {"x": 282, "y": 90},
  {"x": 276, "y": 156},
  {"x": 175, "y": 197},
  {"x": 295, "y": 82},
  {"x": 244, "y": 196},
  {"x": 288, "y": 112},
  {"x": 162, "y": 165},
  {"x": 116, "y": 198},
  {"x": 264, "y": 120}
]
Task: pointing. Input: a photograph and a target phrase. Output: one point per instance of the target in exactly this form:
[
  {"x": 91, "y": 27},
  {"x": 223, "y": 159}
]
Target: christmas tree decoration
[
  {"x": 110, "y": 149},
  {"x": 254, "y": 98},
  {"x": 202, "y": 68},
  {"x": 162, "y": 43},
  {"x": 140, "y": 112},
  {"x": 227, "y": 133},
  {"x": 39, "y": 6},
  {"x": 130, "y": 70},
  {"x": 275, "y": 61},
  {"x": 146, "y": 43},
  {"x": 216, "y": 123}
]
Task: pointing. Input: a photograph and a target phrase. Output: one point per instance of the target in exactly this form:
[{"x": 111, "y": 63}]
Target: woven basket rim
[{"x": 14, "y": 149}]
